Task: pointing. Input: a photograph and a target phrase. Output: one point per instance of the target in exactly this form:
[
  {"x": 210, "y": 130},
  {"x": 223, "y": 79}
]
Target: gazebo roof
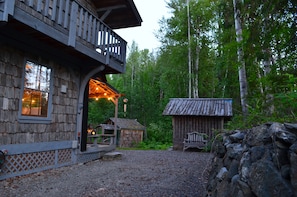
[
  {"x": 99, "y": 89},
  {"x": 199, "y": 107}
]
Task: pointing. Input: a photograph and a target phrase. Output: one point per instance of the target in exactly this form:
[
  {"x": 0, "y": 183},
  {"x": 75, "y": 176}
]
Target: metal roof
[
  {"x": 199, "y": 107},
  {"x": 131, "y": 124}
]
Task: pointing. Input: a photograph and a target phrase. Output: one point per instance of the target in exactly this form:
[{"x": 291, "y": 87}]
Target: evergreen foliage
[{"x": 270, "y": 54}]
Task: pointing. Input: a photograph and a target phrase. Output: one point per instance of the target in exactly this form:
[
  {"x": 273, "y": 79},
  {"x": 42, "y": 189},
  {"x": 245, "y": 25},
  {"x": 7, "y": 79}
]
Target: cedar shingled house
[
  {"x": 54, "y": 55},
  {"x": 203, "y": 115}
]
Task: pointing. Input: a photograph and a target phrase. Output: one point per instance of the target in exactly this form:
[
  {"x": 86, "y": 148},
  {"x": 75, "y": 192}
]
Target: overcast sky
[{"x": 151, "y": 12}]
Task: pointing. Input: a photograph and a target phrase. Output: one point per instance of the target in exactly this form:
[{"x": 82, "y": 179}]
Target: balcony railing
[{"x": 62, "y": 19}]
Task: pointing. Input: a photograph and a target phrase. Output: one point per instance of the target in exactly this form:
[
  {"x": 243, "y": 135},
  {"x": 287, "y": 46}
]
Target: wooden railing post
[
  {"x": 7, "y": 9},
  {"x": 107, "y": 46},
  {"x": 72, "y": 25}
]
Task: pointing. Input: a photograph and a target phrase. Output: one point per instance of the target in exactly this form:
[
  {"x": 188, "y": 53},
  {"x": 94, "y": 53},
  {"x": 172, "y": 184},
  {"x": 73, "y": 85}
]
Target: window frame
[{"x": 36, "y": 119}]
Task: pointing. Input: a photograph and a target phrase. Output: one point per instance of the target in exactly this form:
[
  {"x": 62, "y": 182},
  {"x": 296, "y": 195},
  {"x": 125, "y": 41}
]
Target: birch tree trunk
[
  {"x": 267, "y": 63},
  {"x": 196, "y": 76},
  {"x": 189, "y": 49},
  {"x": 241, "y": 69}
]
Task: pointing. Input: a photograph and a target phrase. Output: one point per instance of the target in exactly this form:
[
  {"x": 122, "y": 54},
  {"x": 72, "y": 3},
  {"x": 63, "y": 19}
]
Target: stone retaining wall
[{"x": 258, "y": 162}]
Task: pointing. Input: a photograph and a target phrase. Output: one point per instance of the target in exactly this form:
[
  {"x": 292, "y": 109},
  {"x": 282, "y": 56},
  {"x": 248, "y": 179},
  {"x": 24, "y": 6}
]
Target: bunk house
[{"x": 50, "y": 51}]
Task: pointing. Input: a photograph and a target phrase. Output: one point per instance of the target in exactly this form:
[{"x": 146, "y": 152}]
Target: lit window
[{"x": 35, "y": 99}]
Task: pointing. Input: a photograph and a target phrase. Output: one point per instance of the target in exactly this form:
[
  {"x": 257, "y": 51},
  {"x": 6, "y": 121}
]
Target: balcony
[{"x": 66, "y": 26}]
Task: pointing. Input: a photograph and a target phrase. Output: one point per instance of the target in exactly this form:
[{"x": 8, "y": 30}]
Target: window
[{"x": 36, "y": 94}]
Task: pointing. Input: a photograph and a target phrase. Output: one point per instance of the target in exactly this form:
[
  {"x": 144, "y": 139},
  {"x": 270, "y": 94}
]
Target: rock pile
[{"x": 258, "y": 162}]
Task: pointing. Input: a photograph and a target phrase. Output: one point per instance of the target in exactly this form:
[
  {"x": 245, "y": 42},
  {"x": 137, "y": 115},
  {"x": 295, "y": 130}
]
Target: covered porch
[{"x": 91, "y": 142}]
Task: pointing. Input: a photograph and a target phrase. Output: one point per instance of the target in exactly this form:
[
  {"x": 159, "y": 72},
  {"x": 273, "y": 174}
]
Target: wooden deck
[{"x": 67, "y": 25}]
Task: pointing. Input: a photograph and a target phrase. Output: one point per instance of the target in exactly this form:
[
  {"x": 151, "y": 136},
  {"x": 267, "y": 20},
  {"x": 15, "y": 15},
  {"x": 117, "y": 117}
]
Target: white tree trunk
[
  {"x": 189, "y": 50},
  {"x": 196, "y": 76},
  {"x": 241, "y": 69},
  {"x": 267, "y": 63}
]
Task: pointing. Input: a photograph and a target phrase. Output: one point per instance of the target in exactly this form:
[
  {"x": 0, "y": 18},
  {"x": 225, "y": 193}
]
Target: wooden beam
[
  {"x": 111, "y": 8},
  {"x": 107, "y": 10}
]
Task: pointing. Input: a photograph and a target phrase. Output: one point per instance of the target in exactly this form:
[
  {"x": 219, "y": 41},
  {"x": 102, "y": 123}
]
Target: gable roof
[
  {"x": 199, "y": 107},
  {"x": 118, "y": 13},
  {"x": 131, "y": 124},
  {"x": 100, "y": 89}
]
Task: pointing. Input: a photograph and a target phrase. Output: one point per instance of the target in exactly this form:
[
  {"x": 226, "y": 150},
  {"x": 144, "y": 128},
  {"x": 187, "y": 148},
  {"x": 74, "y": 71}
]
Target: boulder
[
  {"x": 291, "y": 127},
  {"x": 237, "y": 137},
  {"x": 285, "y": 171},
  {"x": 258, "y": 136},
  {"x": 293, "y": 170},
  {"x": 262, "y": 163},
  {"x": 234, "y": 151},
  {"x": 244, "y": 166},
  {"x": 278, "y": 131},
  {"x": 265, "y": 180},
  {"x": 257, "y": 153},
  {"x": 222, "y": 174},
  {"x": 233, "y": 170}
]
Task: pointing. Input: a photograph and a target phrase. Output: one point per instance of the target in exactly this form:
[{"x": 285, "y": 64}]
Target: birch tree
[{"x": 240, "y": 55}]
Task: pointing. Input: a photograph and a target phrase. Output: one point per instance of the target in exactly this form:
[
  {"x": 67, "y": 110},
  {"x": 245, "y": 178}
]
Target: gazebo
[{"x": 204, "y": 115}]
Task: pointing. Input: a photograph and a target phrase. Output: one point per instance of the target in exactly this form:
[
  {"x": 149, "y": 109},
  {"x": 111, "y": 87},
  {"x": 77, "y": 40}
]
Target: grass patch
[{"x": 149, "y": 145}]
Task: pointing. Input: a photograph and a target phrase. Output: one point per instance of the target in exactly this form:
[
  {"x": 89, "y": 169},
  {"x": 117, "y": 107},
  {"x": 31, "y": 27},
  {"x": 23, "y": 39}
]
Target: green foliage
[
  {"x": 153, "y": 145},
  {"x": 100, "y": 111},
  {"x": 270, "y": 53}
]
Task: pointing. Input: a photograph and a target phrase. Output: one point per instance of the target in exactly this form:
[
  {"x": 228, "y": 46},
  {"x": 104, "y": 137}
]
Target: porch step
[{"x": 112, "y": 156}]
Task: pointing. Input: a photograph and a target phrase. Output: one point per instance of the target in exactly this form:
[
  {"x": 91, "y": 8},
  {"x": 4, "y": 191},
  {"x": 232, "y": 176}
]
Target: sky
[{"x": 151, "y": 12}]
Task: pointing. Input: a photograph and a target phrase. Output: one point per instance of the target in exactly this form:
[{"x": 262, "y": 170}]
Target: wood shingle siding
[{"x": 130, "y": 133}]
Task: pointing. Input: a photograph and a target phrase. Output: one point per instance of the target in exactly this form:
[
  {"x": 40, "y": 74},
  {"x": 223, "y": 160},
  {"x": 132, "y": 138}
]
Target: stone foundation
[{"x": 258, "y": 162}]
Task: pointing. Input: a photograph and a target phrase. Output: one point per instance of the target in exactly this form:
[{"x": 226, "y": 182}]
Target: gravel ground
[{"x": 137, "y": 173}]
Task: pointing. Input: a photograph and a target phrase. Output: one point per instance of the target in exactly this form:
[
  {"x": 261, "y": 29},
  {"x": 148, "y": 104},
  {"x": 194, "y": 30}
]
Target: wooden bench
[
  {"x": 103, "y": 137},
  {"x": 195, "y": 140}
]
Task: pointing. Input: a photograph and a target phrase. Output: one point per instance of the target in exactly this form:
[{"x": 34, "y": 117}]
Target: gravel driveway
[{"x": 137, "y": 173}]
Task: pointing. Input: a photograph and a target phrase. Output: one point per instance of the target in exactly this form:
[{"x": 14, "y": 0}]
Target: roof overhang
[
  {"x": 99, "y": 89},
  {"x": 213, "y": 107},
  {"x": 118, "y": 13}
]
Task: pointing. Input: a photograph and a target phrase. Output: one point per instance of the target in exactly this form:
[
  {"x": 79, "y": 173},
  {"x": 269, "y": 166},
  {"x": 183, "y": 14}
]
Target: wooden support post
[
  {"x": 115, "y": 120},
  {"x": 72, "y": 25},
  {"x": 84, "y": 132},
  {"x": 7, "y": 10}
]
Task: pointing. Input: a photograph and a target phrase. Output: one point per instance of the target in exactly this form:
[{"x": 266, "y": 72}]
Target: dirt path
[{"x": 137, "y": 173}]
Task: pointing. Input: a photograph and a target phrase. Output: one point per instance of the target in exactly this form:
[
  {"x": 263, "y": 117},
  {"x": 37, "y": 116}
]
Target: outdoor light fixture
[
  {"x": 91, "y": 131},
  {"x": 125, "y": 100}
]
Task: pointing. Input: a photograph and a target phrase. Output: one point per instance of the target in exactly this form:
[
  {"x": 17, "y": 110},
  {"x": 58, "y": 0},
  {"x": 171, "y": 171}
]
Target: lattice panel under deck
[
  {"x": 64, "y": 156},
  {"x": 28, "y": 162}
]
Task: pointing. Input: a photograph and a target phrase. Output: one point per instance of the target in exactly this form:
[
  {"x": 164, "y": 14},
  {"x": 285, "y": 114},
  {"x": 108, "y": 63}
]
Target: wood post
[{"x": 72, "y": 27}]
